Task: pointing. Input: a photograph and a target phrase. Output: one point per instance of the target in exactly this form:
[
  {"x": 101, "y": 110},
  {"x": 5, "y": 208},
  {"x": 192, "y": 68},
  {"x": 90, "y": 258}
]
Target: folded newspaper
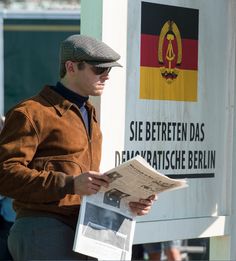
[{"x": 105, "y": 227}]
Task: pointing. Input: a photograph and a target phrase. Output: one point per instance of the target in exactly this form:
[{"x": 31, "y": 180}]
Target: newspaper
[{"x": 105, "y": 227}]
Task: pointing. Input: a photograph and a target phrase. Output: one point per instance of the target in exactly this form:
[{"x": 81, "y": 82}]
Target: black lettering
[
  {"x": 212, "y": 159},
  {"x": 131, "y": 130},
  {"x": 202, "y": 132},
  {"x": 183, "y": 160},
  {"x": 123, "y": 159},
  {"x": 195, "y": 158},
  {"x": 163, "y": 131},
  {"x": 136, "y": 130},
  {"x": 197, "y": 132},
  {"x": 153, "y": 131},
  {"x": 158, "y": 130},
  {"x": 181, "y": 131},
  {"x": 154, "y": 161},
  {"x": 117, "y": 158},
  {"x": 159, "y": 154},
  {"x": 149, "y": 157},
  {"x": 172, "y": 161},
  {"x": 148, "y": 132},
  {"x": 167, "y": 154},
  {"x": 191, "y": 132},
  {"x": 140, "y": 131},
  {"x": 190, "y": 159},
  {"x": 169, "y": 131},
  {"x": 174, "y": 130}
]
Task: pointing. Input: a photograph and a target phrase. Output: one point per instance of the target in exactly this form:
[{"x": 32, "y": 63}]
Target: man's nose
[{"x": 105, "y": 76}]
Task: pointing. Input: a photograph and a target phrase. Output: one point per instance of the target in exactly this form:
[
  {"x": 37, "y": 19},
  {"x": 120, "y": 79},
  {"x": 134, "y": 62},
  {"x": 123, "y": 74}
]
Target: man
[
  {"x": 7, "y": 217},
  {"x": 50, "y": 150}
]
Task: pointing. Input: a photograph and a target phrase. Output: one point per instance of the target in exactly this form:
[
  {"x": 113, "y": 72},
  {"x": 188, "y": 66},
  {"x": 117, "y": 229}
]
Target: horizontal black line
[
  {"x": 191, "y": 176},
  {"x": 154, "y": 16}
]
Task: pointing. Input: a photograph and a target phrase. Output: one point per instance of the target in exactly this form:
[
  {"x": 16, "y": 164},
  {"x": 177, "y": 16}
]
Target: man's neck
[{"x": 71, "y": 86}]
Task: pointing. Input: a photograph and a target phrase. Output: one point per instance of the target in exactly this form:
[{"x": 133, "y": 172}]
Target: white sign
[{"x": 183, "y": 133}]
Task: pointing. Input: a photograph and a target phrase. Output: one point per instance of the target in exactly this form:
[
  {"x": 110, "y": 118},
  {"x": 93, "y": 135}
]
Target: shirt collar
[{"x": 70, "y": 95}]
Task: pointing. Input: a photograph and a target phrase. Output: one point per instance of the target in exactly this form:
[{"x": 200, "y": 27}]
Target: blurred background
[
  {"x": 40, "y": 4},
  {"x": 32, "y": 31}
]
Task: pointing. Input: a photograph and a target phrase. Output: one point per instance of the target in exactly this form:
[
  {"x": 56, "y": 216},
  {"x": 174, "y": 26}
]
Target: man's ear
[{"x": 69, "y": 66}]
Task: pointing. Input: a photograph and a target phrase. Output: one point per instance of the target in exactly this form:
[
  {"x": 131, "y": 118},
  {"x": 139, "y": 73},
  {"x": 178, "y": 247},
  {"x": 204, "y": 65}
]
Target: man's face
[{"x": 86, "y": 82}]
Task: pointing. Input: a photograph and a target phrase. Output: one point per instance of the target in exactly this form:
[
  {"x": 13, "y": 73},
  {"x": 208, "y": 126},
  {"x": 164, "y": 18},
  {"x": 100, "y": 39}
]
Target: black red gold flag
[{"x": 169, "y": 52}]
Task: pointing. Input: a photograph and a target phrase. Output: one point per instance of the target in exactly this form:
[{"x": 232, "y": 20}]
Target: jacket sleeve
[{"x": 19, "y": 141}]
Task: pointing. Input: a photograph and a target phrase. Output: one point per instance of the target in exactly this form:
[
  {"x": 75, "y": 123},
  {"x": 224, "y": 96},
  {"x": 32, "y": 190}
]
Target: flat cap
[{"x": 85, "y": 48}]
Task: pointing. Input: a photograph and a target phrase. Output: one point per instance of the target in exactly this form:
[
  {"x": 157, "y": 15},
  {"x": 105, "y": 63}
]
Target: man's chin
[{"x": 98, "y": 93}]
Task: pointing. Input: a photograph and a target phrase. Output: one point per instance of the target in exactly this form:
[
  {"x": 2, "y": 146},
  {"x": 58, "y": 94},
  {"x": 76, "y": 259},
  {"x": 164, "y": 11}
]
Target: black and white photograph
[
  {"x": 113, "y": 197},
  {"x": 107, "y": 226}
]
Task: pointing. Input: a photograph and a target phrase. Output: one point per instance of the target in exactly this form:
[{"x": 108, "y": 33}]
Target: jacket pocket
[
  {"x": 58, "y": 163},
  {"x": 66, "y": 166}
]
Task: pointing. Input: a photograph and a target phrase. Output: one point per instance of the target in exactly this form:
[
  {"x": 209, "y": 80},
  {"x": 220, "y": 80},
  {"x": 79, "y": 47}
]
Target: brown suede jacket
[{"x": 44, "y": 143}]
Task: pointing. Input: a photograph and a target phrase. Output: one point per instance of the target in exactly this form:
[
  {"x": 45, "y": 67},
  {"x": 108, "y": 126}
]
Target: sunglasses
[{"x": 100, "y": 70}]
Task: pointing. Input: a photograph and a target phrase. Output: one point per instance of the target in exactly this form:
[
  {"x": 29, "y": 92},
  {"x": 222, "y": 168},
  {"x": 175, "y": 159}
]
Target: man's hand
[
  {"x": 143, "y": 206},
  {"x": 90, "y": 183}
]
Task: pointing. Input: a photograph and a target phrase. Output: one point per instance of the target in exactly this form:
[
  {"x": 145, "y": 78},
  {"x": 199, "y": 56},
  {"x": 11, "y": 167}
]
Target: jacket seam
[{"x": 31, "y": 123}]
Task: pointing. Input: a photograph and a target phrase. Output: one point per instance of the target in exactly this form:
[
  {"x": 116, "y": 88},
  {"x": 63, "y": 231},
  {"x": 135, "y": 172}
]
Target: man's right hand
[{"x": 90, "y": 183}]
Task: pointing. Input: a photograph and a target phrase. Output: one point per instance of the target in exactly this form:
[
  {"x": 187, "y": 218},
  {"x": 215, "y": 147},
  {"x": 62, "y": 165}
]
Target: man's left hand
[{"x": 143, "y": 206}]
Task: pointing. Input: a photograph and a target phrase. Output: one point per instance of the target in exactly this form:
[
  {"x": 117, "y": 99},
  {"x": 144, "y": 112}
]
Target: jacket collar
[
  {"x": 61, "y": 104},
  {"x": 56, "y": 100}
]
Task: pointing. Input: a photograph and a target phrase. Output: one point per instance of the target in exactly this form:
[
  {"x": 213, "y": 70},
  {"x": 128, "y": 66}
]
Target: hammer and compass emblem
[{"x": 171, "y": 55}]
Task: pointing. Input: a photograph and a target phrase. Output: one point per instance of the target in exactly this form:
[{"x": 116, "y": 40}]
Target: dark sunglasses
[{"x": 100, "y": 70}]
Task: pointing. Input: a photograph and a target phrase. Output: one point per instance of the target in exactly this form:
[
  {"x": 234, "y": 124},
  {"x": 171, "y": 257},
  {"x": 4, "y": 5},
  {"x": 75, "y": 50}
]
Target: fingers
[
  {"x": 89, "y": 183},
  {"x": 93, "y": 189},
  {"x": 143, "y": 206},
  {"x": 139, "y": 209},
  {"x": 153, "y": 197},
  {"x": 100, "y": 180}
]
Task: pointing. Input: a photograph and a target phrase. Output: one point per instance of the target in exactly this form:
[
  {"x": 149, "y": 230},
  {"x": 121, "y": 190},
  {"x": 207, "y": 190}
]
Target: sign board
[
  {"x": 172, "y": 104},
  {"x": 173, "y": 100}
]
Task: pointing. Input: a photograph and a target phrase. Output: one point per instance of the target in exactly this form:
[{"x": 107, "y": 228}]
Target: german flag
[{"x": 169, "y": 53}]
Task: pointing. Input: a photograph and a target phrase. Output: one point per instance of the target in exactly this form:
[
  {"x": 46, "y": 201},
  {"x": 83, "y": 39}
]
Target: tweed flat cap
[{"x": 85, "y": 48}]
